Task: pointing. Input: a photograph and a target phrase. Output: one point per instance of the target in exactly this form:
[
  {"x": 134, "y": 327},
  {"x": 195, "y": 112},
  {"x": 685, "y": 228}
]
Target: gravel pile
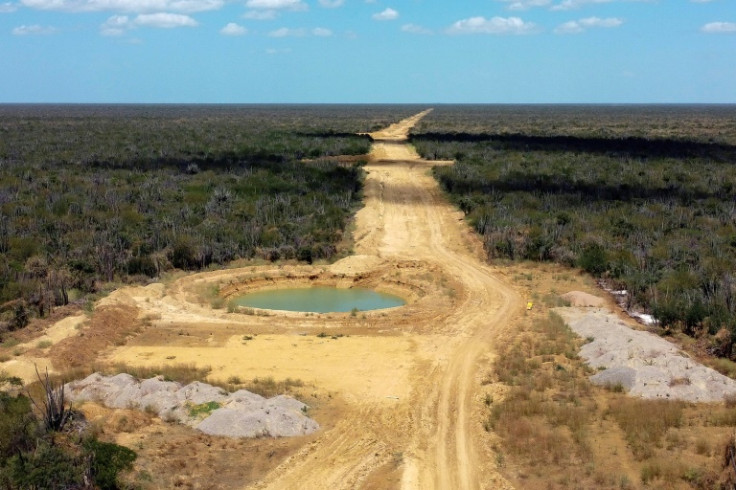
[
  {"x": 205, "y": 407},
  {"x": 642, "y": 363}
]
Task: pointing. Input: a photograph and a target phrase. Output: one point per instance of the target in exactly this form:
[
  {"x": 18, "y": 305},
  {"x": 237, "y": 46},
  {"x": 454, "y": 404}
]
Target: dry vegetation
[
  {"x": 640, "y": 196},
  {"x": 548, "y": 427},
  {"x": 99, "y": 194},
  {"x": 557, "y": 430}
]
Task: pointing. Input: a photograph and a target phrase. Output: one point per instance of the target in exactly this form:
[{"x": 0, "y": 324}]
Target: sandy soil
[
  {"x": 397, "y": 388},
  {"x": 397, "y": 392},
  {"x": 406, "y": 377}
]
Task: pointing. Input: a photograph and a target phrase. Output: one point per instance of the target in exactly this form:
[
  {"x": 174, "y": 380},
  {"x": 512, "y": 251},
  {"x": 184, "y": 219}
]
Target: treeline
[
  {"x": 96, "y": 194},
  {"x": 657, "y": 218}
]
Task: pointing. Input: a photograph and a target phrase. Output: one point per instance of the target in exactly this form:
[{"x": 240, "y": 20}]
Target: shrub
[
  {"x": 47, "y": 466},
  {"x": 107, "y": 461},
  {"x": 593, "y": 259}
]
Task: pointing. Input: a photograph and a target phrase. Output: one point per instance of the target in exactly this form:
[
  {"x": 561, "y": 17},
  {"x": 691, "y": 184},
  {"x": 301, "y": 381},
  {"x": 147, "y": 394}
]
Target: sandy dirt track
[
  {"x": 406, "y": 379},
  {"x": 432, "y": 424}
]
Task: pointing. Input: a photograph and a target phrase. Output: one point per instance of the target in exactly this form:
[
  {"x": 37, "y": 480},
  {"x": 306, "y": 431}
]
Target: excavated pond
[{"x": 319, "y": 300}]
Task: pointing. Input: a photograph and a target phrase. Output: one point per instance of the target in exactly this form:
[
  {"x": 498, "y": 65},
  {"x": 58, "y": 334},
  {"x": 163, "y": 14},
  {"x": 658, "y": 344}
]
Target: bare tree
[{"x": 55, "y": 414}]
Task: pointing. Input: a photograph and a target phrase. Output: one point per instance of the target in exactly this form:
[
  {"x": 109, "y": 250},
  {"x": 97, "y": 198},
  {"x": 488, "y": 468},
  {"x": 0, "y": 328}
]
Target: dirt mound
[
  {"x": 204, "y": 407},
  {"x": 579, "y": 298},
  {"x": 109, "y": 325},
  {"x": 644, "y": 364}
]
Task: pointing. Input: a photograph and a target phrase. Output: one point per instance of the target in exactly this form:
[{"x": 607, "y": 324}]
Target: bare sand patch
[
  {"x": 57, "y": 332},
  {"x": 362, "y": 369},
  {"x": 25, "y": 367}
]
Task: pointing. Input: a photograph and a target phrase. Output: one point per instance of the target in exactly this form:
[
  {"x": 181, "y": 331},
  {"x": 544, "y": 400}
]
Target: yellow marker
[{"x": 529, "y": 305}]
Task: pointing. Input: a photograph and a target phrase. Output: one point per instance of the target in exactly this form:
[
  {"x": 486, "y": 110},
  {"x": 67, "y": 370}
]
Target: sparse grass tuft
[
  {"x": 181, "y": 373},
  {"x": 268, "y": 387}
]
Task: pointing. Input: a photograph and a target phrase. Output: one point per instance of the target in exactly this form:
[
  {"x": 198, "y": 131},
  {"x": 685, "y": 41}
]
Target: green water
[{"x": 319, "y": 300}]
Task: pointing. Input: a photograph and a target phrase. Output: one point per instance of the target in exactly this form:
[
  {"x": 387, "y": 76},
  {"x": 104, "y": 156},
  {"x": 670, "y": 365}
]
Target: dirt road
[
  {"x": 399, "y": 388},
  {"x": 406, "y": 217},
  {"x": 442, "y": 452}
]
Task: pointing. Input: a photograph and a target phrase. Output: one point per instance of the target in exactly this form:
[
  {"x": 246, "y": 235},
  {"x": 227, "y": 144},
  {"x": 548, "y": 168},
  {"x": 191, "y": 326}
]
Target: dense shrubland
[
  {"x": 644, "y": 198},
  {"x": 92, "y": 194}
]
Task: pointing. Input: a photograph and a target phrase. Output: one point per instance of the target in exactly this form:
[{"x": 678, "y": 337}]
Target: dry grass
[
  {"x": 645, "y": 422},
  {"x": 724, "y": 366},
  {"x": 181, "y": 373},
  {"x": 268, "y": 387},
  {"x": 558, "y": 431},
  {"x": 546, "y": 414}
]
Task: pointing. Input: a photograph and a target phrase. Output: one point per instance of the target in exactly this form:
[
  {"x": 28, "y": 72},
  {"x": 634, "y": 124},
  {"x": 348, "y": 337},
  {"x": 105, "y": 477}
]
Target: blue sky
[{"x": 368, "y": 51}]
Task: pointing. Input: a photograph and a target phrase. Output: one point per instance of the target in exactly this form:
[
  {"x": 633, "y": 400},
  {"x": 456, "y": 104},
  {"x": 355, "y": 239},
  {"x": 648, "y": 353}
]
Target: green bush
[
  {"x": 593, "y": 259},
  {"x": 47, "y": 466},
  {"x": 18, "y": 426},
  {"x": 33, "y": 458},
  {"x": 107, "y": 461}
]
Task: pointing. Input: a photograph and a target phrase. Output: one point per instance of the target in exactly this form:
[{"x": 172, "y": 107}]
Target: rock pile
[
  {"x": 205, "y": 407},
  {"x": 642, "y": 363}
]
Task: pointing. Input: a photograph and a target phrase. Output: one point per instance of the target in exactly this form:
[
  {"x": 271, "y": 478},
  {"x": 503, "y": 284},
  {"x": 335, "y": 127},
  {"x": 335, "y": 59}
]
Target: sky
[{"x": 368, "y": 51}]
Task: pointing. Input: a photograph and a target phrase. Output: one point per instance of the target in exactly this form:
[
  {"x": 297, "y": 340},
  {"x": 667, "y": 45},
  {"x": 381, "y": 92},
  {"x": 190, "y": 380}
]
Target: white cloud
[
  {"x": 719, "y": 28},
  {"x": 576, "y": 4},
  {"x": 286, "y": 32},
  {"x": 278, "y": 51},
  {"x": 388, "y": 14},
  {"x": 194, "y": 5},
  {"x": 117, "y": 25},
  {"x": 260, "y": 14},
  {"x": 300, "y": 32},
  {"x": 33, "y": 30},
  {"x": 165, "y": 20},
  {"x": 415, "y": 29},
  {"x": 578, "y": 26},
  {"x": 276, "y": 4},
  {"x": 496, "y": 25},
  {"x": 571, "y": 27},
  {"x": 331, "y": 4},
  {"x": 321, "y": 32},
  {"x": 8, "y": 7},
  {"x": 125, "y": 5},
  {"x": 233, "y": 29},
  {"x": 525, "y": 4},
  {"x": 565, "y": 4}
]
